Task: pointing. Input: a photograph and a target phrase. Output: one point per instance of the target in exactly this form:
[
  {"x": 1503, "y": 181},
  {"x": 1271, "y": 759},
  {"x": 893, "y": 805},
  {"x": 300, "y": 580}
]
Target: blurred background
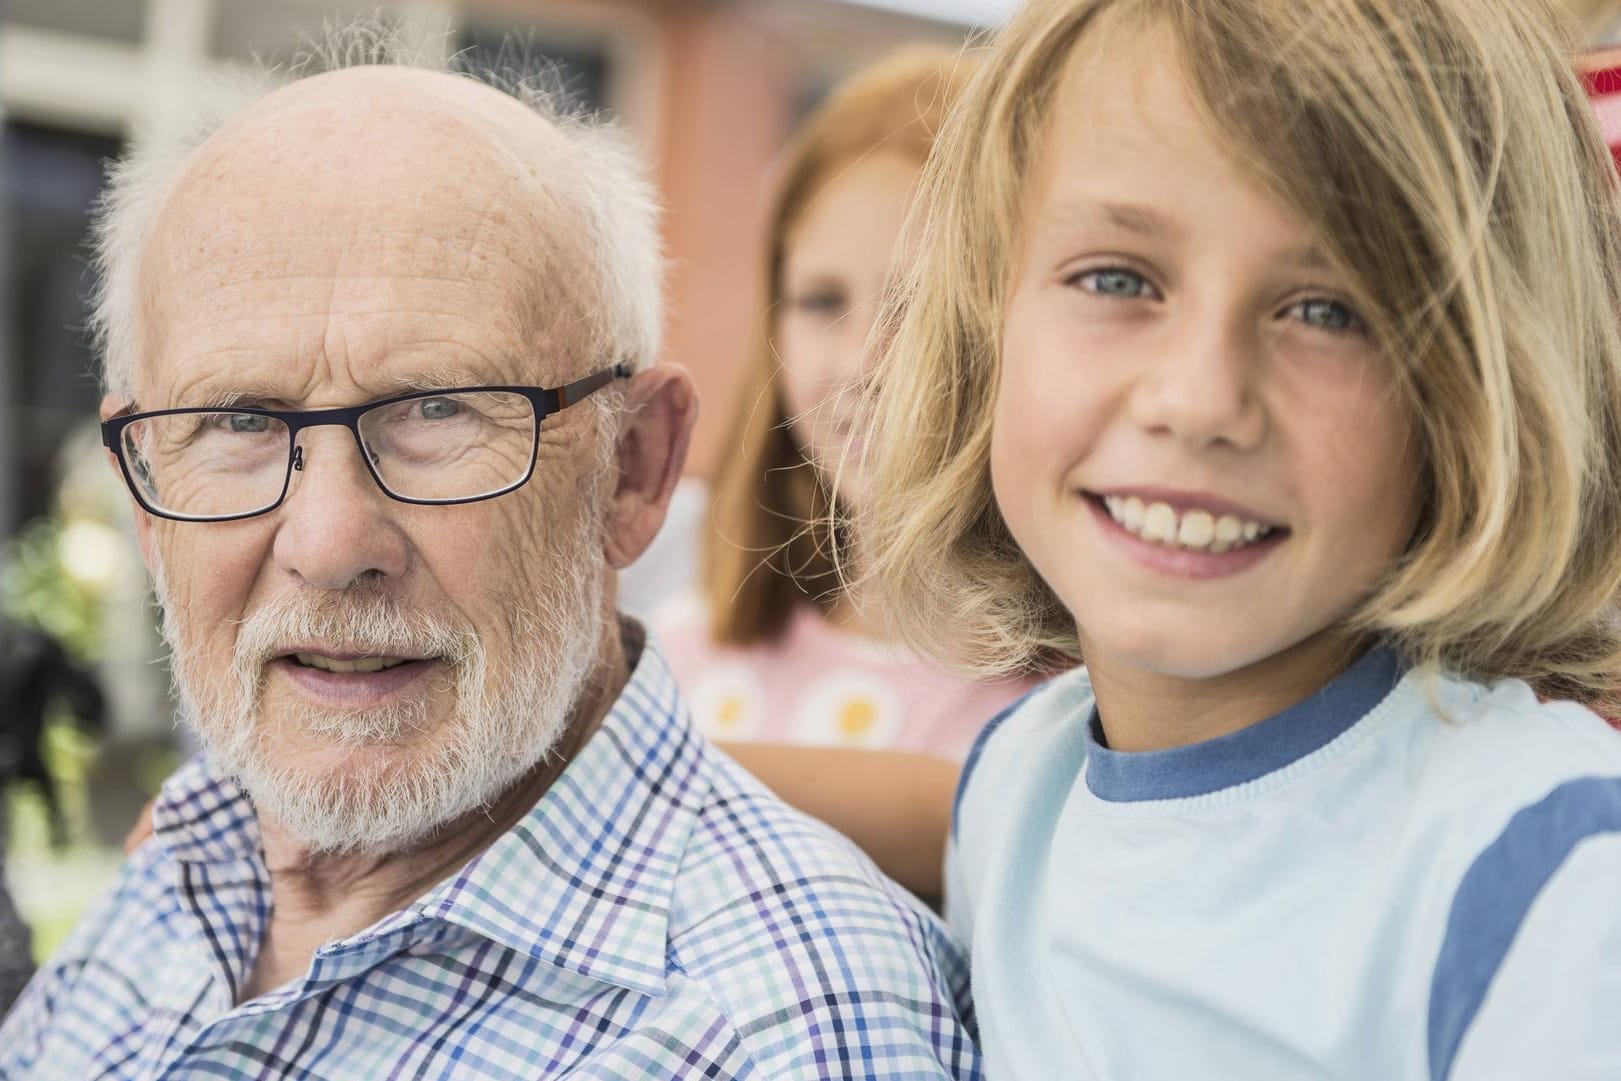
[
  {"x": 709, "y": 89},
  {"x": 710, "y": 92}
]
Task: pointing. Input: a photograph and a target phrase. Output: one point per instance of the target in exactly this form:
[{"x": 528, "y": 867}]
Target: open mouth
[
  {"x": 1190, "y": 528},
  {"x": 341, "y": 665},
  {"x": 344, "y": 679},
  {"x": 357, "y": 664}
]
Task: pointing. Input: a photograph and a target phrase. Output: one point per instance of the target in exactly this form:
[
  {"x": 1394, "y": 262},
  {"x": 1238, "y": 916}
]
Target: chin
[
  {"x": 351, "y": 791},
  {"x": 374, "y": 800},
  {"x": 1188, "y": 652},
  {"x": 337, "y": 764}
]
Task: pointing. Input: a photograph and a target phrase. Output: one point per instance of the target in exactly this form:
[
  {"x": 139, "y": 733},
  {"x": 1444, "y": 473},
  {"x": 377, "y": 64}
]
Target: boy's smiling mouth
[{"x": 1185, "y": 524}]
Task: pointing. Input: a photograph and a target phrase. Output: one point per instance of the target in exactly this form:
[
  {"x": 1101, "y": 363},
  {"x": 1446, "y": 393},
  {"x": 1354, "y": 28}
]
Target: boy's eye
[
  {"x": 1114, "y": 282},
  {"x": 1325, "y": 314}
]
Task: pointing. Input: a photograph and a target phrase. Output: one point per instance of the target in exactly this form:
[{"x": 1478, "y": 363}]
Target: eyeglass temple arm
[
  {"x": 573, "y": 392},
  {"x": 108, "y": 440}
]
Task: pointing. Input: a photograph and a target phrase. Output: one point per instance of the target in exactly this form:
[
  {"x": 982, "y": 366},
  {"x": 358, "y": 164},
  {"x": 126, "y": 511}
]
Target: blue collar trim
[{"x": 1248, "y": 754}]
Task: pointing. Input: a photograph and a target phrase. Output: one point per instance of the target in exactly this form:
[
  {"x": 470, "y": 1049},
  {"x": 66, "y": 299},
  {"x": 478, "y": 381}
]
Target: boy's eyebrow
[
  {"x": 1132, "y": 217},
  {"x": 1148, "y": 221},
  {"x": 1308, "y": 257}
]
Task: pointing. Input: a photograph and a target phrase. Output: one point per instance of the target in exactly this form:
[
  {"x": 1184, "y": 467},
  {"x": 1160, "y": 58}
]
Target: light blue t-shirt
[{"x": 1404, "y": 877}]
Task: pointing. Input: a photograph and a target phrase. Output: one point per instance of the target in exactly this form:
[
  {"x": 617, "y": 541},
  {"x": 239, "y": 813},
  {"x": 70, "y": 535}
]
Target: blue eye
[
  {"x": 247, "y": 423},
  {"x": 1114, "y": 282},
  {"x": 438, "y": 408},
  {"x": 1330, "y": 315}
]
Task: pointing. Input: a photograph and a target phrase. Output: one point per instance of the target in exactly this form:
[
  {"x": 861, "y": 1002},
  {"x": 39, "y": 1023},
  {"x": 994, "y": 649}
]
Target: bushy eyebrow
[
  {"x": 243, "y": 395},
  {"x": 257, "y": 394},
  {"x": 437, "y": 379}
]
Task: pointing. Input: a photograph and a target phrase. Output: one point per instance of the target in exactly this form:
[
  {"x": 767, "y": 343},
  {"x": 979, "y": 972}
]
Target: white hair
[{"x": 623, "y": 271}]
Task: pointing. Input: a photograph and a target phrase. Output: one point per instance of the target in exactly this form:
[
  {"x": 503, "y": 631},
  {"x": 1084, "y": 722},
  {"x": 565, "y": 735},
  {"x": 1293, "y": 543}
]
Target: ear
[
  {"x": 661, "y": 406},
  {"x": 111, "y": 405}
]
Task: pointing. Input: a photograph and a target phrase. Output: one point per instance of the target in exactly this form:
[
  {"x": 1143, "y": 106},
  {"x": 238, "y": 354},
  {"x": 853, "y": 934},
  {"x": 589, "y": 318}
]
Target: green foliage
[
  {"x": 54, "y": 575},
  {"x": 69, "y": 753},
  {"x": 36, "y": 589}
]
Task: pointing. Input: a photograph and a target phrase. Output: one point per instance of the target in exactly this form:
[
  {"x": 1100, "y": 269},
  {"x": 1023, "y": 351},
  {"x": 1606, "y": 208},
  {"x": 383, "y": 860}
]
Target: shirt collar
[
  {"x": 1248, "y": 754},
  {"x": 203, "y": 817},
  {"x": 584, "y": 881}
]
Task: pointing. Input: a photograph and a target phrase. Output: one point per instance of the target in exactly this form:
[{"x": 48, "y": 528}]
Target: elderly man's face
[{"x": 316, "y": 256}]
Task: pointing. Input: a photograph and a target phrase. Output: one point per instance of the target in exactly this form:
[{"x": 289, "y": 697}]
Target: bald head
[
  {"x": 533, "y": 220},
  {"x": 379, "y": 141},
  {"x": 373, "y": 190}
]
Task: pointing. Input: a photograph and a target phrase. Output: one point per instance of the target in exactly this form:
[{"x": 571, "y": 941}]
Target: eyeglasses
[{"x": 458, "y": 445}]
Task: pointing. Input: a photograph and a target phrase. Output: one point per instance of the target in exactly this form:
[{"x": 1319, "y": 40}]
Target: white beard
[{"x": 499, "y": 729}]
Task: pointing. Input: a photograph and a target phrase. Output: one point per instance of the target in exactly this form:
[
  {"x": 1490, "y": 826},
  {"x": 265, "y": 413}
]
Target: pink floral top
[{"x": 821, "y": 686}]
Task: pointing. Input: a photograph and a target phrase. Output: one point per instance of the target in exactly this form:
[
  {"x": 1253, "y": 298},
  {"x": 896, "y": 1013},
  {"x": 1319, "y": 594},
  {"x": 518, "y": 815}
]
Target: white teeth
[
  {"x": 359, "y": 664},
  {"x": 1159, "y": 523},
  {"x": 1197, "y": 531},
  {"x": 1128, "y": 511},
  {"x": 1193, "y": 529}
]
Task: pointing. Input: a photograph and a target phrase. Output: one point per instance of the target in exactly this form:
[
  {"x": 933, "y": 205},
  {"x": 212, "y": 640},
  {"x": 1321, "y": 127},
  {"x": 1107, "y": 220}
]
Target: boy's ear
[
  {"x": 661, "y": 407},
  {"x": 111, "y": 405}
]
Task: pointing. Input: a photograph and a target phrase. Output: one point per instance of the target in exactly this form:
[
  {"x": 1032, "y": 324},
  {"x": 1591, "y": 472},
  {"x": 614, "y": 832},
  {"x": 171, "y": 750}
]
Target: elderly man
[{"x": 378, "y": 358}]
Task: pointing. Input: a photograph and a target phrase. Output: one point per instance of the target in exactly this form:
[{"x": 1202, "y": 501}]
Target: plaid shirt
[{"x": 656, "y": 915}]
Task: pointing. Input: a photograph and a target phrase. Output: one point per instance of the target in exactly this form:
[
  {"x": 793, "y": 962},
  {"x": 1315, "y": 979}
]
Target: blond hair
[
  {"x": 1448, "y": 160},
  {"x": 772, "y": 545}
]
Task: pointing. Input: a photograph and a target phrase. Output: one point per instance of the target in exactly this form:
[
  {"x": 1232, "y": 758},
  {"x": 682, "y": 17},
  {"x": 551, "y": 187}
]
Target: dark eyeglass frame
[{"x": 544, "y": 401}]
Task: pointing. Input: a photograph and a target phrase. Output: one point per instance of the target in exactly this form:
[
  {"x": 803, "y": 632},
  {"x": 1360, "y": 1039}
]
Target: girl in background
[
  {"x": 1265, "y": 355},
  {"x": 774, "y": 650}
]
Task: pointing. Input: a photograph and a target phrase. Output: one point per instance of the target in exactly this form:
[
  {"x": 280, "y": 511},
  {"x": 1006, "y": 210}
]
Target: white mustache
[{"x": 368, "y": 623}]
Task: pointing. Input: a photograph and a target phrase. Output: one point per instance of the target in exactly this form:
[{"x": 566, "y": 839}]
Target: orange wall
[{"x": 729, "y": 89}]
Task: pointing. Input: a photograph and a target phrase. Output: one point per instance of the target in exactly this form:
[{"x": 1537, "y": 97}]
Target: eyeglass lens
[{"x": 220, "y": 464}]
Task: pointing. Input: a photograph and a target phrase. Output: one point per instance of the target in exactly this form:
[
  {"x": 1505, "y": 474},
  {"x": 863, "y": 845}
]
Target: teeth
[
  {"x": 1159, "y": 523},
  {"x": 1197, "y": 531},
  {"x": 1193, "y": 529},
  {"x": 359, "y": 664}
]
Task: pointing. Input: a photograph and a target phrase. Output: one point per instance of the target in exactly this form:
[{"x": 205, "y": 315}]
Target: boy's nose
[{"x": 1204, "y": 389}]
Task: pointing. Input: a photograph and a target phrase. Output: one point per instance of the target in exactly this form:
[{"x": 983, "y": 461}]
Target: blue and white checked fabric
[{"x": 657, "y": 915}]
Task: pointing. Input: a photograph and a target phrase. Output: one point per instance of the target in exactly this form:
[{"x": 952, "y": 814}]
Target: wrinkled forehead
[{"x": 348, "y": 198}]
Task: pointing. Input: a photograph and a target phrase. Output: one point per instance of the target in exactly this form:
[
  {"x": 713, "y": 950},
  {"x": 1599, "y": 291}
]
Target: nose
[
  {"x": 337, "y": 527},
  {"x": 1203, "y": 388}
]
